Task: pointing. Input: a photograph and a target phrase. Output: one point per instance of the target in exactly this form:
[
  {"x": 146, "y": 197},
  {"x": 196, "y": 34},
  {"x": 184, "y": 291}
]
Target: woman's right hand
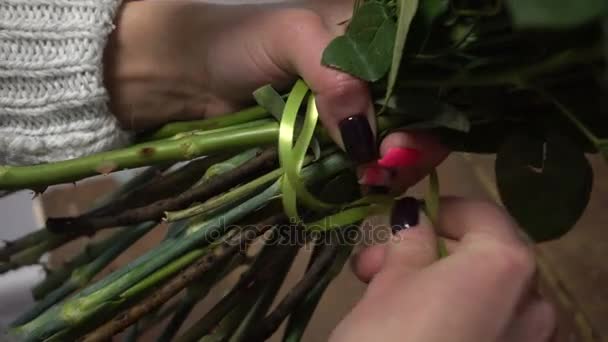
[{"x": 484, "y": 290}]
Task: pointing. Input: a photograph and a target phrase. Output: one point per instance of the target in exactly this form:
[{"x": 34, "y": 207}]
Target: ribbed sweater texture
[{"x": 53, "y": 104}]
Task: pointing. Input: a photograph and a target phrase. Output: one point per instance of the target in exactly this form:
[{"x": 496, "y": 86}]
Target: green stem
[
  {"x": 133, "y": 333},
  {"x": 44, "y": 235},
  {"x": 194, "y": 294},
  {"x": 259, "y": 283},
  {"x": 107, "y": 294},
  {"x": 516, "y": 76},
  {"x": 572, "y": 118},
  {"x": 432, "y": 210},
  {"x": 59, "y": 276},
  {"x": 23, "y": 243},
  {"x": 244, "y": 116},
  {"x": 30, "y": 256},
  {"x": 82, "y": 275},
  {"x": 211, "y": 206},
  {"x": 171, "y": 150},
  {"x": 268, "y": 294},
  {"x": 301, "y": 315}
]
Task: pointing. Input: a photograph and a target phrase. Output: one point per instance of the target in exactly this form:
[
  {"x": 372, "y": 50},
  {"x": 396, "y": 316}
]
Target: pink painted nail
[
  {"x": 398, "y": 157},
  {"x": 375, "y": 176}
]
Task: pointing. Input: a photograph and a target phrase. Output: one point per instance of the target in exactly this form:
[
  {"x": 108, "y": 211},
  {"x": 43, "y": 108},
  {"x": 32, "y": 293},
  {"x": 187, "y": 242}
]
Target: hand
[
  {"x": 171, "y": 60},
  {"x": 483, "y": 291}
]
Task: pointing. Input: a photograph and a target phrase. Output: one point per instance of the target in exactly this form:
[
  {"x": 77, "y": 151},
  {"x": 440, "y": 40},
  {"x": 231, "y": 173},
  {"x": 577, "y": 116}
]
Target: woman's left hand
[{"x": 172, "y": 60}]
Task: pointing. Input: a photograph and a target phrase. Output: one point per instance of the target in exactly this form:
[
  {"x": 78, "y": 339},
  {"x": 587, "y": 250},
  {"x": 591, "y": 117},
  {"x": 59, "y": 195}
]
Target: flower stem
[
  {"x": 244, "y": 116},
  {"x": 157, "y": 152},
  {"x": 80, "y": 276},
  {"x": 302, "y": 313}
]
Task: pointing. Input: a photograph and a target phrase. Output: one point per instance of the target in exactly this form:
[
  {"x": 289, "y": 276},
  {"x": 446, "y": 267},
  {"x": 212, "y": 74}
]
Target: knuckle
[
  {"x": 513, "y": 260},
  {"x": 417, "y": 239},
  {"x": 546, "y": 321},
  {"x": 341, "y": 85},
  {"x": 488, "y": 207},
  {"x": 299, "y": 21}
]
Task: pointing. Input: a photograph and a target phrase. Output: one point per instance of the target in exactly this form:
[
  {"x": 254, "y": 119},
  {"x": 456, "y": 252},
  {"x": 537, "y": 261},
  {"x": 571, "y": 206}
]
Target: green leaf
[
  {"x": 427, "y": 110},
  {"x": 555, "y": 14},
  {"x": 545, "y": 185},
  {"x": 268, "y": 98},
  {"x": 483, "y": 139},
  {"x": 407, "y": 10},
  {"x": 603, "y": 148},
  {"x": 426, "y": 24},
  {"x": 365, "y": 50},
  {"x": 343, "y": 188}
]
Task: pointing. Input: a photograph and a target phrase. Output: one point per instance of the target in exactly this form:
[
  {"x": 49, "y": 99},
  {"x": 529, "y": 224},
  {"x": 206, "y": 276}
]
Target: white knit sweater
[{"x": 53, "y": 105}]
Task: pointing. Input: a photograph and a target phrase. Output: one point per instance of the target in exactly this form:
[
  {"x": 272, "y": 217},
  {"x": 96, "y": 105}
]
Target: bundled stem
[
  {"x": 52, "y": 241},
  {"x": 271, "y": 323},
  {"x": 244, "y": 116},
  {"x": 59, "y": 276},
  {"x": 160, "y": 188},
  {"x": 219, "y": 255},
  {"x": 155, "y": 211},
  {"x": 152, "y": 153},
  {"x": 302, "y": 313},
  {"x": 257, "y": 287},
  {"x": 194, "y": 294},
  {"x": 82, "y": 275},
  {"x": 30, "y": 240}
]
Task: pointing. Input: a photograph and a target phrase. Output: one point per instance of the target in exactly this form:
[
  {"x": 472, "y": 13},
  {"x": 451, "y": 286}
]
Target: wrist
[{"x": 143, "y": 65}]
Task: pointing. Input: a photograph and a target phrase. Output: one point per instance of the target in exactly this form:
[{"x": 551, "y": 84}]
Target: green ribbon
[{"x": 292, "y": 156}]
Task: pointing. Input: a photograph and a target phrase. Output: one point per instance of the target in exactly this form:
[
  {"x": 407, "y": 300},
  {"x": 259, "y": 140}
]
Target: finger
[
  {"x": 459, "y": 217},
  {"x": 535, "y": 323},
  {"x": 414, "y": 245},
  {"x": 368, "y": 262},
  {"x": 344, "y": 101},
  {"x": 409, "y": 156}
]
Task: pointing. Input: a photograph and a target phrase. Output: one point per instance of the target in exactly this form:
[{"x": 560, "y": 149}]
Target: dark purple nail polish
[
  {"x": 358, "y": 139},
  {"x": 377, "y": 190},
  {"x": 405, "y": 214}
]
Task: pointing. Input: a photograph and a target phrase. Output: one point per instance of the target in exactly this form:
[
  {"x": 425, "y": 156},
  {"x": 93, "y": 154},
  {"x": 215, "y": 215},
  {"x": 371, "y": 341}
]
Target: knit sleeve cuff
[{"x": 53, "y": 104}]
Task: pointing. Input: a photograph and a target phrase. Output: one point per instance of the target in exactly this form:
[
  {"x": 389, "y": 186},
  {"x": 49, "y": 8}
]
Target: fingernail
[
  {"x": 405, "y": 214},
  {"x": 398, "y": 157},
  {"x": 377, "y": 190},
  {"x": 358, "y": 139},
  {"x": 374, "y": 175}
]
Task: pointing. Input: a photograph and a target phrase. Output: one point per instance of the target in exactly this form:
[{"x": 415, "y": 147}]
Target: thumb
[
  {"x": 344, "y": 101},
  {"x": 414, "y": 244}
]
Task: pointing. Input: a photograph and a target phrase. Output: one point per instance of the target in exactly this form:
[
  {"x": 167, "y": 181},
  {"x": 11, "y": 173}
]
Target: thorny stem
[
  {"x": 81, "y": 276},
  {"x": 162, "y": 187},
  {"x": 58, "y": 276},
  {"x": 155, "y": 211},
  {"x": 258, "y": 283},
  {"x": 600, "y": 144},
  {"x": 196, "y": 293},
  {"x": 103, "y": 205},
  {"x": 157, "y": 152},
  {"x": 218, "y": 202},
  {"x": 217, "y": 256},
  {"x": 271, "y": 323},
  {"x": 172, "y": 129},
  {"x": 302, "y": 312}
]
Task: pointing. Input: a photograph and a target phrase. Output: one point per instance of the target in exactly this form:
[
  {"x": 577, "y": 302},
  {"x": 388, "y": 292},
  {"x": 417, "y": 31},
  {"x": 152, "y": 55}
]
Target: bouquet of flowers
[{"x": 522, "y": 79}]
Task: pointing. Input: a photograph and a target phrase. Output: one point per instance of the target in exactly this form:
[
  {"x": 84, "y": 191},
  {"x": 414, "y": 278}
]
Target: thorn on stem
[
  {"x": 106, "y": 167},
  {"x": 147, "y": 152}
]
